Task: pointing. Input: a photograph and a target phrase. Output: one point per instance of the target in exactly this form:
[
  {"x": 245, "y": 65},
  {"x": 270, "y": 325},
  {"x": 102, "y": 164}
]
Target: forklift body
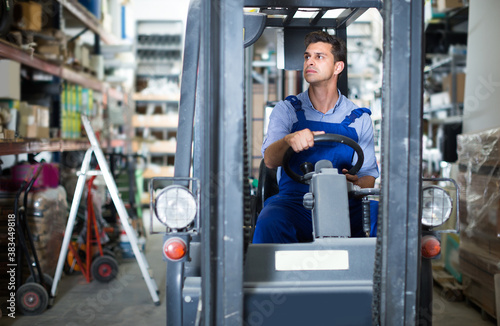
[{"x": 214, "y": 276}]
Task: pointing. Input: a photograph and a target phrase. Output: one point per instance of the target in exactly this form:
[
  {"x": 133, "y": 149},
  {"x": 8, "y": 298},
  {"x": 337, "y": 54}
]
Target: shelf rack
[
  {"x": 26, "y": 58},
  {"x": 42, "y": 145},
  {"x": 88, "y": 20},
  {"x": 13, "y": 52}
]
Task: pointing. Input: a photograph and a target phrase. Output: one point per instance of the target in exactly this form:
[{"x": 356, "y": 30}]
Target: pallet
[
  {"x": 475, "y": 304},
  {"x": 450, "y": 289}
]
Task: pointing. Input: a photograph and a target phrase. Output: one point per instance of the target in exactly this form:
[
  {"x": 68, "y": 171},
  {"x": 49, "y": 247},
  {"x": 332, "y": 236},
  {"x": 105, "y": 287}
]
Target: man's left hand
[
  {"x": 364, "y": 182},
  {"x": 352, "y": 178}
]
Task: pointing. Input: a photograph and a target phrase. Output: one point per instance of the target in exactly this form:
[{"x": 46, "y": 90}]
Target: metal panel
[
  {"x": 332, "y": 297},
  {"x": 317, "y": 17},
  {"x": 361, "y": 255},
  {"x": 315, "y": 3},
  {"x": 202, "y": 146},
  {"x": 224, "y": 100},
  {"x": 202, "y": 164},
  {"x": 188, "y": 87},
  {"x": 342, "y": 84},
  {"x": 401, "y": 163},
  {"x": 349, "y": 15},
  {"x": 302, "y": 22},
  {"x": 294, "y": 47}
]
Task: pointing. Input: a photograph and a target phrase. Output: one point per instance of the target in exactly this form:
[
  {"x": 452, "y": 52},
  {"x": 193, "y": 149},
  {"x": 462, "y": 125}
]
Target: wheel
[
  {"x": 47, "y": 279},
  {"x": 32, "y": 299},
  {"x": 104, "y": 269},
  {"x": 324, "y": 138},
  {"x": 71, "y": 262},
  {"x": 105, "y": 252}
]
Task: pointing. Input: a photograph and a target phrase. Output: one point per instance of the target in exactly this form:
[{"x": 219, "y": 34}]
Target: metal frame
[
  {"x": 218, "y": 157},
  {"x": 120, "y": 207},
  {"x": 401, "y": 161},
  {"x": 223, "y": 98}
]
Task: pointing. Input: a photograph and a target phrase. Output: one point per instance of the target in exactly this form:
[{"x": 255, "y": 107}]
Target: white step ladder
[{"x": 120, "y": 208}]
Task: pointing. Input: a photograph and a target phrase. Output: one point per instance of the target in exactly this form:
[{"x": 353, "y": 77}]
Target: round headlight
[
  {"x": 175, "y": 207},
  {"x": 436, "y": 206}
]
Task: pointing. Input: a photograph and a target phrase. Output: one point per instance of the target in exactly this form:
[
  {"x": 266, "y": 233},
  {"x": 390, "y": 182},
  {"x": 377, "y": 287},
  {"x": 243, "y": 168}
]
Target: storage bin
[{"x": 94, "y": 6}]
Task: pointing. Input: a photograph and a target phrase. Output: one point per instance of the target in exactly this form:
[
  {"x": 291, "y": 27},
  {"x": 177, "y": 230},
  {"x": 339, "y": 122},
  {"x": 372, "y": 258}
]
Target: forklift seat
[{"x": 267, "y": 186}]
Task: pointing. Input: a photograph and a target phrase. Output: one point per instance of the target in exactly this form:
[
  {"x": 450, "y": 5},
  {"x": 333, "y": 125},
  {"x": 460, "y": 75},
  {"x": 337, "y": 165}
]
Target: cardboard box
[
  {"x": 85, "y": 56},
  {"x": 49, "y": 49},
  {"x": 9, "y": 134},
  {"x": 10, "y": 83},
  {"x": 447, "y": 86},
  {"x": 27, "y": 131},
  {"x": 28, "y": 16},
  {"x": 34, "y": 121},
  {"x": 155, "y": 120},
  {"x": 439, "y": 100},
  {"x": 447, "y": 5},
  {"x": 42, "y": 116}
]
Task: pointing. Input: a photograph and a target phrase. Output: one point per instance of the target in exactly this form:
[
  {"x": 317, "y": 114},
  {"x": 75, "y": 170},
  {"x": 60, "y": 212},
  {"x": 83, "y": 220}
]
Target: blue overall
[{"x": 283, "y": 218}]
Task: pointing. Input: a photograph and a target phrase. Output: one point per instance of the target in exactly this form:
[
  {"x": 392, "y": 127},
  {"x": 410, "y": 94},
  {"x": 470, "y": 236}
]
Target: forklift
[{"x": 215, "y": 276}]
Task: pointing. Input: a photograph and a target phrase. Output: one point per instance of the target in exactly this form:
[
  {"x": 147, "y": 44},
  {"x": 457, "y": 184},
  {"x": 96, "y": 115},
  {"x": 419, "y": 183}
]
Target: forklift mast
[{"x": 212, "y": 100}]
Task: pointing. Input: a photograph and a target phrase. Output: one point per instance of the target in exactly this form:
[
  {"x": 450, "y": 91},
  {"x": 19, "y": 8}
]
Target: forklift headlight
[
  {"x": 175, "y": 207},
  {"x": 436, "y": 206}
]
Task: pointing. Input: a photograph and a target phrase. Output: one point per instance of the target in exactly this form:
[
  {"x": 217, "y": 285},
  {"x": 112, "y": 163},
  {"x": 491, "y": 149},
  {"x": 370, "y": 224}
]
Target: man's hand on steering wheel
[
  {"x": 352, "y": 178},
  {"x": 326, "y": 138},
  {"x": 302, "y": 140},
  {"x": 366, "y": 181}
]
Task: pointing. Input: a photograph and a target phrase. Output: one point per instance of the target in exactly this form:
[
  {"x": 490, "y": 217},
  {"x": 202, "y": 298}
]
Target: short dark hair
[{"x": 339, "y": 49}]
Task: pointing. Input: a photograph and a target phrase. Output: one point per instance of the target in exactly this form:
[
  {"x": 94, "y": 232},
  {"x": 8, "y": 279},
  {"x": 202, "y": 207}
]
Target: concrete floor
[
  {"x": 126, "y": 300},
  {"x": 123, "y": 301}
]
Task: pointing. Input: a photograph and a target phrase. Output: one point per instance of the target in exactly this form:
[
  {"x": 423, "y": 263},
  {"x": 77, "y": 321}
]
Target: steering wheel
[{"x": 324, "y": 138}]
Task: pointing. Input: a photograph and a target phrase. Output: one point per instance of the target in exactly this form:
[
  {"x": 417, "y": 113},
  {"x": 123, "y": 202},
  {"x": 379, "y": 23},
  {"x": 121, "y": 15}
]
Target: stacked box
[
  {"x": 75, "y": 101},
  {"x": 34, "y": 121},
  {"x": 479, "y": 181},
  {"x": 447, "y": 5},
  {"x": 64, "y": 111},
  {"x": 29, "y": 16},
  {"x": 10, "y": 83}
]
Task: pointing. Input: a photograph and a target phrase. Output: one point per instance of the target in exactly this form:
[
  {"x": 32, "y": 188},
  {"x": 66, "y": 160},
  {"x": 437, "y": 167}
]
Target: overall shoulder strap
[
  {"x": 296, "y": 103},
  {"x": 356, "y": 113}
]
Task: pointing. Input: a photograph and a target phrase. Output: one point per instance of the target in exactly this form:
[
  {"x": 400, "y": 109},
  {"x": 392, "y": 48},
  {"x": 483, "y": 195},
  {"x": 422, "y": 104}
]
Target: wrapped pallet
[
  {"x": 479, "y": 181},
  {"x": 47, "y": 214}
]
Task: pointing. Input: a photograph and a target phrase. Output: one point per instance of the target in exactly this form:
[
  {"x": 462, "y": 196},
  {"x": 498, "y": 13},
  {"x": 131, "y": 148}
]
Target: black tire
[
  {"x": 104, "y": 269},
  {"x": 105, "y": 252},
  {"x": 47, "y": 280},
  {"x": 32, "y": 299},
  {"x": 6, "y": 16}
]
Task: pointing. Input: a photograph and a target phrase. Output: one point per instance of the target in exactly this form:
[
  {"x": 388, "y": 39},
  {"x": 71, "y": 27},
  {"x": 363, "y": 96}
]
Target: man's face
[{"x": 319, "y": 63}]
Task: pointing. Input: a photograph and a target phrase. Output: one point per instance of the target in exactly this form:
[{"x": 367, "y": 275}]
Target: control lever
[
  {"x": 364, "y": 193},
  {"x": 366, "y": 216},
  {"x": 306, "y": 168}
]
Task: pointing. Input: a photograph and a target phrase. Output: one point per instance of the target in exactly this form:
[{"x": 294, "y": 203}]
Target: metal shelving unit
[
  {"x": 158, "y": 48},
  {"x": 26, "y": 58},
  {"x": 44, "y": 145},
  {"x": 88, "y": 20}
]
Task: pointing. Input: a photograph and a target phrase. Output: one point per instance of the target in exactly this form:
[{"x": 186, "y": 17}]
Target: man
[{"x": 294, "y": 122}]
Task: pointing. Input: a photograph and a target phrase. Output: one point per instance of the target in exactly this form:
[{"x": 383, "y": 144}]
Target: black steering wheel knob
[{"x": 306, "y": 167}]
